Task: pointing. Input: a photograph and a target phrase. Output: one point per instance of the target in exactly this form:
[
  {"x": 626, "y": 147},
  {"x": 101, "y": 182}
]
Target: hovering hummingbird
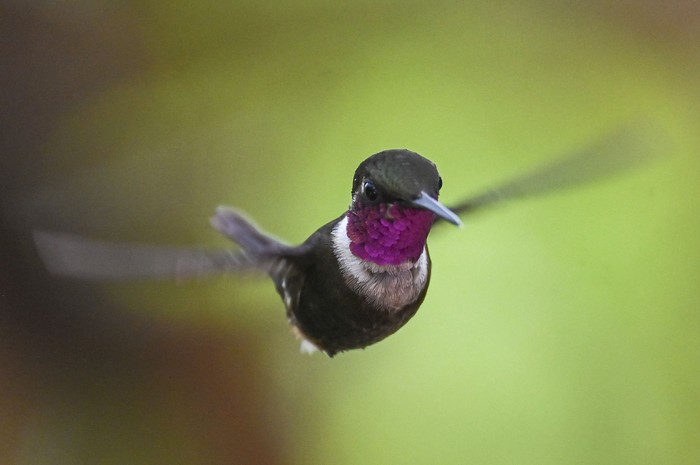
[{"x": 360, "y": 277}]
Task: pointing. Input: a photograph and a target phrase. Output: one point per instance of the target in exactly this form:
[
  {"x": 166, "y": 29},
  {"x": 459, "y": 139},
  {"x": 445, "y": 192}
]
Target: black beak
[{"x": 427, "y": 202}]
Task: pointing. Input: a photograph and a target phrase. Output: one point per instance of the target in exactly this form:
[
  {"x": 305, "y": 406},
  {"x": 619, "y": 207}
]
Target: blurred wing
[
  {"x": 613, "y": 155},
  {"x": 78, "y": 257}
]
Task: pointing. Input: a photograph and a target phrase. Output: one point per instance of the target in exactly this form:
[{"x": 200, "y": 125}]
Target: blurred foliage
[{"x": 558, "y": 330}]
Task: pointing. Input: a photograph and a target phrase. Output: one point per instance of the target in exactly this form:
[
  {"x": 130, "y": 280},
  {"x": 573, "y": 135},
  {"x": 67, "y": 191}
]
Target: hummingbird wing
[
  {"x": 83, "y": 258},
  {"x": 79, "y": 257},
  {"x": 617, "y": 153}
]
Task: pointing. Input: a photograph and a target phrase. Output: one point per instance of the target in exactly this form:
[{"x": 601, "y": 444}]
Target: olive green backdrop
[{"x": 559, "y": 330}]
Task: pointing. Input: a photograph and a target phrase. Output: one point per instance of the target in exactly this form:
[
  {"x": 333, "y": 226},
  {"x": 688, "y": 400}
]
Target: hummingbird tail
[{"x": 240, "y": 229}]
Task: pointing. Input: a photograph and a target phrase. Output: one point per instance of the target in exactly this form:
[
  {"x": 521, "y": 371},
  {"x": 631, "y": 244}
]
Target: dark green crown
[{"x": 399, "y": 174}]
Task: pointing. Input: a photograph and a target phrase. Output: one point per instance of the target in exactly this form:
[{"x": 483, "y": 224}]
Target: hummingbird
[{"x": 360, "y": 277}]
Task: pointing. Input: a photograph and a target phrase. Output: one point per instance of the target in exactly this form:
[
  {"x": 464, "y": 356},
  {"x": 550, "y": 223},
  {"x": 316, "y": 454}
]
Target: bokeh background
[{"x": 558, "y": 330}]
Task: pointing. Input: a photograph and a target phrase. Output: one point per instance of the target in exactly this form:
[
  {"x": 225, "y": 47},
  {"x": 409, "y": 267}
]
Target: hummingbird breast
[
  {"x": 385, "y": 286},
  {"x": 336, "y": 301}
]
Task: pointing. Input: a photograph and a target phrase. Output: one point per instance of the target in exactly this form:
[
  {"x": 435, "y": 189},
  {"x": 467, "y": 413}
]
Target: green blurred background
[{"x": 561, "y": 330}]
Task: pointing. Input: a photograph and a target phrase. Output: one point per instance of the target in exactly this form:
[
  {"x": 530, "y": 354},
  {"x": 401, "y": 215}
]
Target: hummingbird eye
[
  {"x": 439, "y": 183},
  {"x": 369, "y": 190}
]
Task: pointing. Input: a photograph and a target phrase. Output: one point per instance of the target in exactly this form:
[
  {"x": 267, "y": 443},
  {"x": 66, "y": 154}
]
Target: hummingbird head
[{"x": 394, "y": 205}]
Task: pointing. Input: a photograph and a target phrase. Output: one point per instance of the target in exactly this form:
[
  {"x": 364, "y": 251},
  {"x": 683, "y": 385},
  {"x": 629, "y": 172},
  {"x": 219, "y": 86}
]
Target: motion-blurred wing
[
  {"x": 78, "y": 257},
  {"x": 615, "y": 154}
]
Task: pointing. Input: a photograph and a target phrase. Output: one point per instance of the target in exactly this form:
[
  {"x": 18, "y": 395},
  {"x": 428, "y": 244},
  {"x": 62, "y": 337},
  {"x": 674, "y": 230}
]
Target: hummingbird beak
[{"x": 427, "y": 202}]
